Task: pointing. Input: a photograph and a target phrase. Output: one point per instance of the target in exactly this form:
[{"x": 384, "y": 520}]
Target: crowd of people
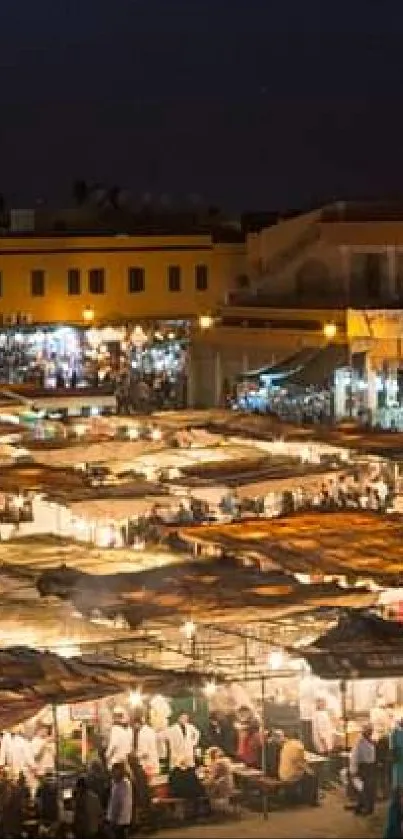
[{"x": 120, "y": 784}]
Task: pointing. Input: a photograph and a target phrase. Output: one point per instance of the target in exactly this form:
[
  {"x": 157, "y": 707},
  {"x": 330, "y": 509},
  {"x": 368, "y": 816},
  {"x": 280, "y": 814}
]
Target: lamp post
[{"x": 205, "y": 322}]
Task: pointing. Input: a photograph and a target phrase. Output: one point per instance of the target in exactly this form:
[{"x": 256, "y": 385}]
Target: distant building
[{"x": 340, "y": 265}]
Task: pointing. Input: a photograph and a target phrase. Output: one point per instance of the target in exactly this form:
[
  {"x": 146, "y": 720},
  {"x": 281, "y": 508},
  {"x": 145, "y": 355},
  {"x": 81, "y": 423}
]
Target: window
[
  {"x": 136, "y": 280},
  {"x": 37, "y": 283},
  {"x": 73, "y": 281},
  {"x": 368, "y": 275},
  {"x": 399, "y": 275},
  {"x": 201, "y": 276},
  {"x": 96, "y": 281},
  {"x": 174, "y": 277}
]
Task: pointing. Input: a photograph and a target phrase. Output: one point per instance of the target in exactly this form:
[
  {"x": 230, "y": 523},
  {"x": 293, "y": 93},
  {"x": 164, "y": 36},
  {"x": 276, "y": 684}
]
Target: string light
[
  {"x": 189, "y": 629},
  {"x": 135, "y": 698},
  {"x": 210, "y": 688}
]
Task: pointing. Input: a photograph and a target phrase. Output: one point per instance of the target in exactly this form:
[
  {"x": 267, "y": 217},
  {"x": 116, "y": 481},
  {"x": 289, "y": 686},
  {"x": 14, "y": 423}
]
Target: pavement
[{"x": 329, "y": 821}]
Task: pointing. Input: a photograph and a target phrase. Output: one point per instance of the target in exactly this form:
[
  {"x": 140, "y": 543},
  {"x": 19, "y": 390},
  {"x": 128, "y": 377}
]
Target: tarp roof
[
  {"x": 356, "y": 544},
  {"x": 212, "y": 590},
  {"x": 361, "y": 645},
  {"x": 30, "y": 679},
  {"x": 284, "y": 367},
  {"x": 319, "y": 369}
]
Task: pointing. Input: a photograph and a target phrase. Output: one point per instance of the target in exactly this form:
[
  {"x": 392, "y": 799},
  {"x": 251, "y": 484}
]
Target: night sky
[{"x": 251, "y": 104}]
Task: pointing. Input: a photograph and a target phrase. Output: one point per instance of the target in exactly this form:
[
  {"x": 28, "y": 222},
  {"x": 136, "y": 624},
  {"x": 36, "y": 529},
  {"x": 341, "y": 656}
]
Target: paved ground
[{"x": 330, "y": 821}]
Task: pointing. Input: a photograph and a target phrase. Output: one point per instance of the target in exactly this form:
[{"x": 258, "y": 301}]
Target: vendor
[
  {"x": 380, "y": 719},
  {"x": 147, "y": 748},
  {"x": 323, "y": 732},
  {"x": 43, "y": 750},
  {"x": 183, "y": 738},
  {"x": 120, "y": 743},
  {"x": 16, "y": 755}
]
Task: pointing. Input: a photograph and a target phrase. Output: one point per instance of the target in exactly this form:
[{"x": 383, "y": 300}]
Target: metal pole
[
  {"x": 265, "y": 798},
  {"x": 343, "y": 690},
  {"x": 57, "y": 757},
  {"x": 245, "y": 659}
]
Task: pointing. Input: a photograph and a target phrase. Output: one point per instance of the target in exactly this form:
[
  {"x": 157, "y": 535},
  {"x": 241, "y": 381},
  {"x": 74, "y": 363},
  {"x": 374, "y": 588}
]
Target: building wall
[
  {"x": 224, "y": 352},
  {"x": 19, "y": 256},
  {"x": 325, "y": 260}
]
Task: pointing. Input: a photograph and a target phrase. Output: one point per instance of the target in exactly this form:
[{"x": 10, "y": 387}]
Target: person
[
  {"x": 142, "y": 800},
  {"x": 98, "y": 781},
  {"x": 147, "y": 749},
  {"x": 17, "y": 755},
  {"x": 43, "y": 750},
  {"x": 87, "y": 817},
  {"x": 182, "y": 737},
  {"x": 120, "y": 806},
  {"x": 322, "y": 728},
  {"x": 252, "y": 745},
  {"x": 184, "y": 783},
  {"x": 120, "y": 743},
  {"x": 362, "y": 771},
  {"x": 219, "y": 781},
  {"x": 293, "y": 770},
  {"x": 396, "y": 745},
  {"x": 273, "y": 745},
  {"x": 383, "y": 765},
  {"x": 46, "y": 800},
  {"x": 394, "y": 821}
]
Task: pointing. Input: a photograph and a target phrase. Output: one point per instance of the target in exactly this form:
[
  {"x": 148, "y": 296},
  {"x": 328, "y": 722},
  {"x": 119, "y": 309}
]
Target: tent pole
[
  {"x": 57, "y": 756},
  {"x": 343, "y": 691},
  {"x": 265, "y": 798}
]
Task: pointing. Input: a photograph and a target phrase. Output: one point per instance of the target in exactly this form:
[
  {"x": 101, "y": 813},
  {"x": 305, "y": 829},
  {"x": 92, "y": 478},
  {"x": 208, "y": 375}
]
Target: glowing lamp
[
  {"x": 330, "y": 331},
  {"x": 275, "y": 659},
  {"x": 210, "y": 688},
  {"x": 88, "y": 314},
  {"x": 205, "y": 322},
  {"x": 135, "y": 698},
  {"x": 189, "y": 629}
]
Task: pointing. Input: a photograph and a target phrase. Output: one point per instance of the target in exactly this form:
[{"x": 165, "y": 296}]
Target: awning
[
  {"x": 320, "y": 368},
  {"x": 361, "y": 646},
  {"x": 282, "y": 368},
  {"x": 30, "y": 679}
]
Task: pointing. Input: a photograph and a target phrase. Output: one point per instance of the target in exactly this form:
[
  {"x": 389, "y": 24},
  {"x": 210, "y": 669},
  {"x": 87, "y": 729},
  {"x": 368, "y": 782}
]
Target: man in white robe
[
  {"x": 322, "y": 728},
  {"x": 120, "y": 744},
  {"x": 43, "y": 749},
  {"x": 16, "y": 755},
  {"x": 147, "y": 749},
  {"x": 183, "y": 738}
]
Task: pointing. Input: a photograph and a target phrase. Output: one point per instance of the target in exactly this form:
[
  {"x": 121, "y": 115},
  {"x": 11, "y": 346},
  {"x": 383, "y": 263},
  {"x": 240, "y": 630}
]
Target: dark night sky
[{"x": 249, "y": 103}]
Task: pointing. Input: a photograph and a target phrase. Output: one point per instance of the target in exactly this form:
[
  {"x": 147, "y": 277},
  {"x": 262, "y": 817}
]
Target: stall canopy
[
  {"x": 355, "y": 544},
  {"x": 319, "y": 369},
  {"x": 283, "y": 368},
  {"x": 361, "y": 646},
  {"x": 30, "y": 680},
  {"x": 222, "y": 590}
]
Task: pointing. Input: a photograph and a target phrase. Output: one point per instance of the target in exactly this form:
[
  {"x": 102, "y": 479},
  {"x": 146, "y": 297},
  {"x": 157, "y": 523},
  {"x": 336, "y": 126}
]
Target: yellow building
[
  {"x": 49, "y": 279},
  {"x": 342, "y": 265}
]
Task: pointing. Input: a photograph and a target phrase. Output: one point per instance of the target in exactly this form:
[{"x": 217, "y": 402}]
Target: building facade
[
  {"x": 340, "y": 266},
  {"x": 52, "y": 279}
]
